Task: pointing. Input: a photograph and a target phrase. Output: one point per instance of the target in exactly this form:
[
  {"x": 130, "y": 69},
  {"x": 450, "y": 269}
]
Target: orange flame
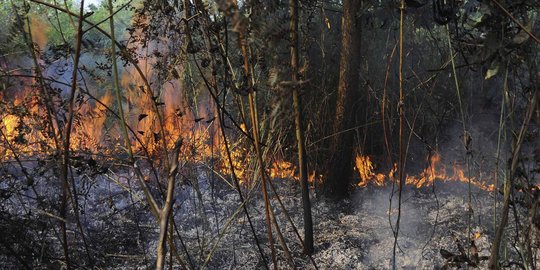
[
  {"x": 435, "y": 171},
  {"x": 282, "y": 169},
  {"x": 22, "y": 128},
  {"x": 364, "y": 166}
]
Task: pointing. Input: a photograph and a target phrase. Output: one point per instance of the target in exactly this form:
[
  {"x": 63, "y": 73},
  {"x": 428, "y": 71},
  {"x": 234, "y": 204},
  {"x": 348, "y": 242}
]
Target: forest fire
[
  {"x": 436, "y": 171},
  {"x": 95, "y": 130},
  {"x": 282, "y": 169},
  {"x": 27, "y": 130},
  {"x": 10, "y": 123},
  {"x": 203, "y": 142},
  {"x": 22, "y": 129},
  {"x": 364, "y": 167},
  {"x": 179, "y": 134}
]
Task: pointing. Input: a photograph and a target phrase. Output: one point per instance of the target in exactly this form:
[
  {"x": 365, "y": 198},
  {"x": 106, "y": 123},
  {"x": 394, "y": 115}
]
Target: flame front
[
  {"x": 364, "y": 166},
  {"x": 203, "y": 141},
  {"x": 435, "y": 171}
]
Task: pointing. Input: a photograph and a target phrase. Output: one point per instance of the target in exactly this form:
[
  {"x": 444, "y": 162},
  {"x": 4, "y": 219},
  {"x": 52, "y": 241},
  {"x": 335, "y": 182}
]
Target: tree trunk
[
  {"x": 308, "y": 222},
  {"x": 340, "y": 165}
]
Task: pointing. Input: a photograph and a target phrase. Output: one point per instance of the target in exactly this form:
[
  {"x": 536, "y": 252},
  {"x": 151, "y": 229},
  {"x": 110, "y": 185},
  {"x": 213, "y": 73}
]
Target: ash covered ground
[
  {"x": 210, "y": 226},
  {"x": 356, "y": 233}
]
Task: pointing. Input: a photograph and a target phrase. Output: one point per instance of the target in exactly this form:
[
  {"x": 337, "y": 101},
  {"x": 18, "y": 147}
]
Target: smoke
[{"x": 39, "y": 31}]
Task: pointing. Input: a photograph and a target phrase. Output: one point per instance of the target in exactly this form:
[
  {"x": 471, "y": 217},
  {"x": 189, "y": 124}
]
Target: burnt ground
[{"x": 355, "y": 233}]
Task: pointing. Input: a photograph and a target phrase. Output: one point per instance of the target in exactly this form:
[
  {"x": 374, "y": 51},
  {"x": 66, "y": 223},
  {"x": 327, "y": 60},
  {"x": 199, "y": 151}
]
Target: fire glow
[
  {"x": 205, "y": 143},
  {"x": 435, "y": 171},
  {"x": 94, "y": 132}
]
